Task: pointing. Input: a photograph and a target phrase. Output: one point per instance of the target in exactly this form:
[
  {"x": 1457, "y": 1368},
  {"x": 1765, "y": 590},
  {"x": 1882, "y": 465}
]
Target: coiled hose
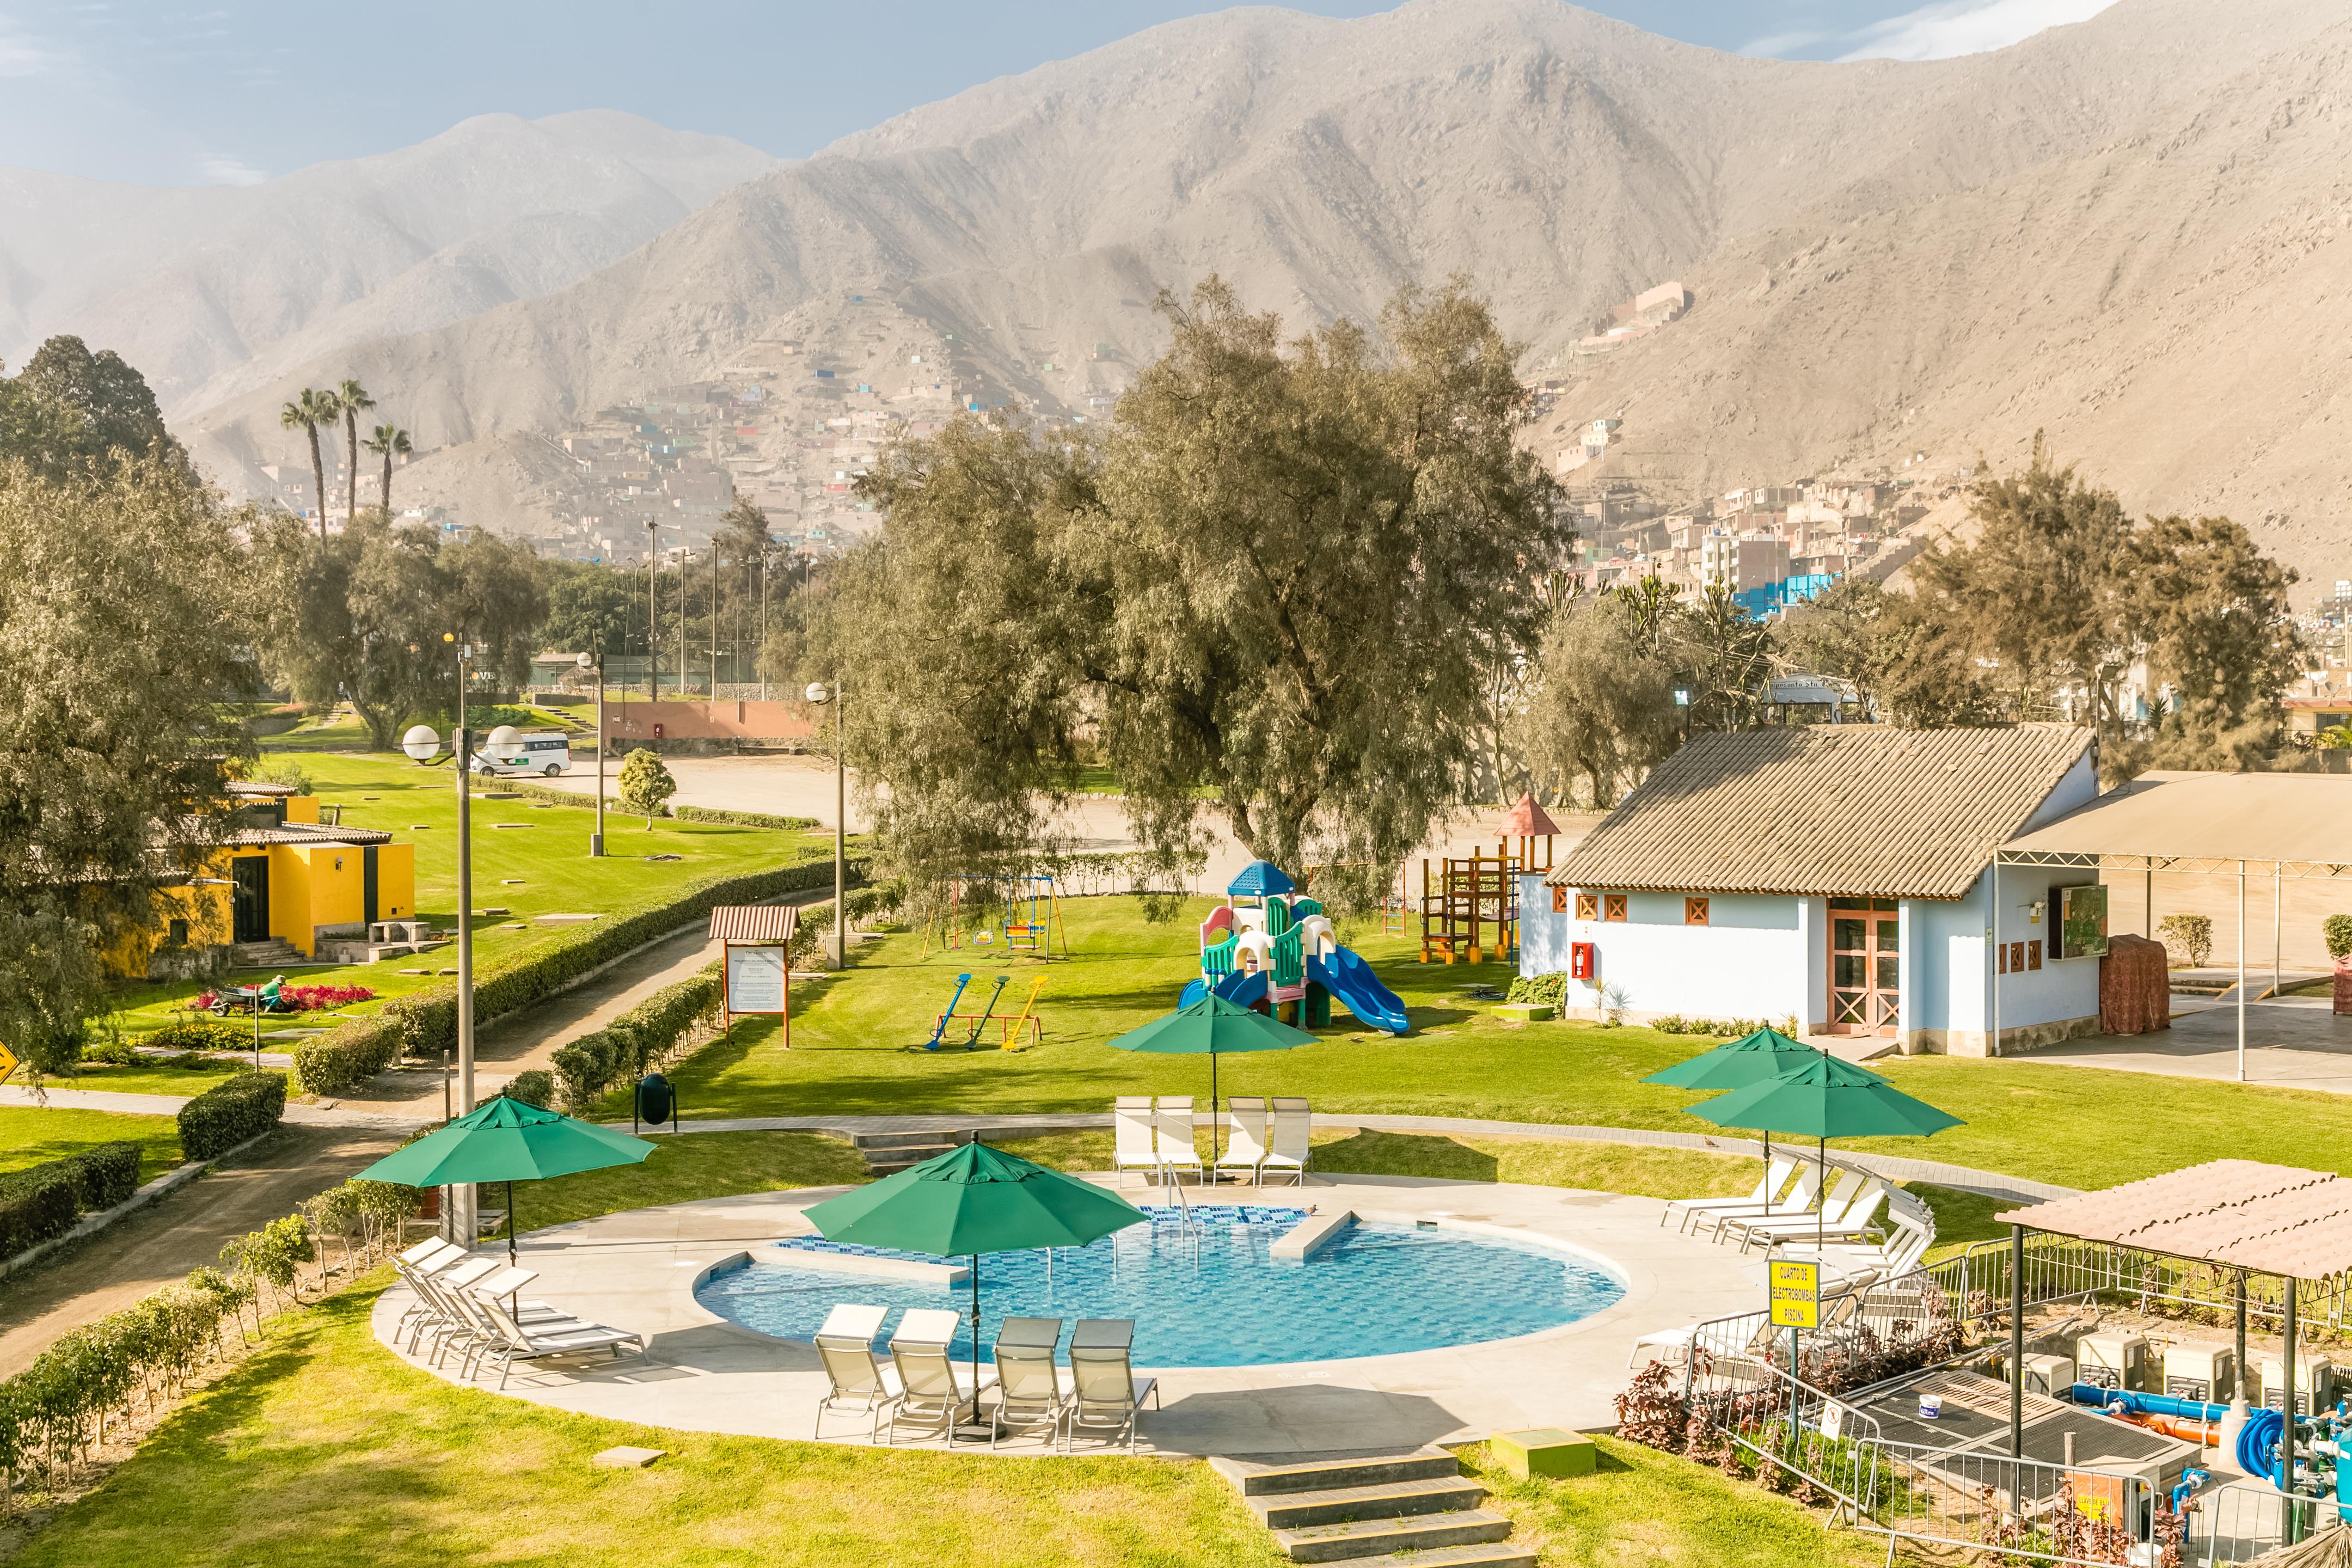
[{"x": 2258, "y": 1443}]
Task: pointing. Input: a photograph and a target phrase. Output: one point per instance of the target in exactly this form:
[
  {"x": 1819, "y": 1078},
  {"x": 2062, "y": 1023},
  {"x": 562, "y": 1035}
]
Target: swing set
[{"x": 1028, "y": 912}]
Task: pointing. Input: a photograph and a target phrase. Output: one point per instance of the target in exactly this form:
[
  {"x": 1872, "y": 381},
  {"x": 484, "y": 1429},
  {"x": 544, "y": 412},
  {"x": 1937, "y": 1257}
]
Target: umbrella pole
[
  {"x": 511, "y": 1226},
  {"x": 1216, "y": 1125},
  {"x": 1820, "y": 1196},
  {"x": 975, "y": 1336}
]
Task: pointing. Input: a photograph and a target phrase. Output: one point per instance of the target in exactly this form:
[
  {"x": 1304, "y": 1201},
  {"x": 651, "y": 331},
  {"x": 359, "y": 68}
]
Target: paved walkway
[
  {"x": 2294, "y": 1042},
  {"x": 638, "y": 1271}
]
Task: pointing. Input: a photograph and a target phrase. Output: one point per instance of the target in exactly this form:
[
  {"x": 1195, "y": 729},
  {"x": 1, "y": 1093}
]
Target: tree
[
  {"x": 350, "y": 398},
  {"x": 588, "y": 603},
  {"x": 125, "y": 611},
  {"x": 306, "y": 413},
  {"x": 496, "y": 599},
  {"x": 1728, "y": 657},
  {"x": 1254, "y": 585},
  {"x": 388, "y": 442},
  {"x": 2211, "y": 610},
  {"x": 645, "y": 783},
  {"x": 71, "y": 411},
  {"x": 1600, "y": 706}
]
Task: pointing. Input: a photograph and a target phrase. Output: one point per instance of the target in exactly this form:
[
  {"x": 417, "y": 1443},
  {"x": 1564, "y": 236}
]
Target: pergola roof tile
[
  {"x": 2271, "y": 1219},
  {"x": 751, "y": 924}
]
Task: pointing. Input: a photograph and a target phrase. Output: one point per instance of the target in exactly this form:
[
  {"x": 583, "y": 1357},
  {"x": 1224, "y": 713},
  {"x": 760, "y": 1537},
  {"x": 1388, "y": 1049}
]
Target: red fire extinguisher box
[{"x": 1584, "y": 960}]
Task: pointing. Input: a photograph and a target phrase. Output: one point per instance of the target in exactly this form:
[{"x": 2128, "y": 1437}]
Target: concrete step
[
  {"x": 1495, "y": 1554},
  {"x": 1362, "y": 1538},
  {"x": 1264, "y": 1481},
  {"x": 945, "y": 1139},
  {"x": 1390, "y": 1500}
]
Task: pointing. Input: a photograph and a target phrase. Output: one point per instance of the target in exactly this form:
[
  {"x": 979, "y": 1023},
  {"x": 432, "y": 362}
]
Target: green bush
[
  {"x": 104, "y": 1175},
  {"x": 536, "y": 1086},
  {"x": 199, "y": 1035},
  {"x": 1672, "y": 1024},
  {"x": 2338, "y": 930},
  {"x": 2188, "y": 939},
  {"x": 425, "y": 1023},
  {"x": 224, "y": 1116},
  {"x": 1543, "y": 990},
  {"x": 113, "y": 1051},
  {"x": 645, "y": 783},
  {"x": 41, "y": 1202},
  {"x": 743, "y": 818},
  {"x": 639, "y": 1039}
]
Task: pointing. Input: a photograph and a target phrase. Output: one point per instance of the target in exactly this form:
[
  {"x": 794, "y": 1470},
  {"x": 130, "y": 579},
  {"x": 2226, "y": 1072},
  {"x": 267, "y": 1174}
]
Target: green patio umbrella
[
  {"x": 1826, "y": 1099},
  {"x": 970, "y": 1200},
  {"x": 505, "y": 1140},
  {"x": 1213, "y": 1027},
  {"x": 1751, "y": 1058}
]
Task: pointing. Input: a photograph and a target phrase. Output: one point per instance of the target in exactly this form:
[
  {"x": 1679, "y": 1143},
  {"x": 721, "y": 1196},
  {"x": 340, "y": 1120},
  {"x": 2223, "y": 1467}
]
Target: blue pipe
[{"x": 2090, "y": 1393}]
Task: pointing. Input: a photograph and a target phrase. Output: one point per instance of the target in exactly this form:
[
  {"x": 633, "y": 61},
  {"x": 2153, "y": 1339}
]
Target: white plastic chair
[
  {"x": 1134, "y": 1147},
  {"x": 1775, "y": 1178},
  {"x": 1856, "y": 1222},
  {"x": 1105, "y": 1396},
  {"x": 1171, "y": 1121},
  {"x": 1245, "y": 1149},
  {"x": 1845, "y": 1189},
  {"x": 1796, "y": 1200},
  {"x": 1290, "y": 1140},
  {"x": 936, "y": 1393},
  {"x": 846, "y": 1346},
  {"x": 1029, "y": 1394}
]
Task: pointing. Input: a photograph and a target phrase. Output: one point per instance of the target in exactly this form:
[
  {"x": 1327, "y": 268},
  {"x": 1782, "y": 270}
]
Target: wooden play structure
[{"x": 1470, "y": 907}]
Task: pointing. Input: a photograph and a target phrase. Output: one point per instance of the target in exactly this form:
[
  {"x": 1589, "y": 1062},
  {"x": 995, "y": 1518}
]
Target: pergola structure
[
  {"x": 2235, "y": 1214},
  {"x": 2293, "y": 824}
]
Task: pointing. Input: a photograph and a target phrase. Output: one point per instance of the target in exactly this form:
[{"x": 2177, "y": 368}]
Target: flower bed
[{"x": 305, "y": 999}]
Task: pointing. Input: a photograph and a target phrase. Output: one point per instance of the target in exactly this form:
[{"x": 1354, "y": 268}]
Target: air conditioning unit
[
  {"x": 2049, "y": 1376},
  {"x": 2204, "y": 1372},
  {"x": 2313, "y": 1374},
  {"x": 2111, "y": 1361}
]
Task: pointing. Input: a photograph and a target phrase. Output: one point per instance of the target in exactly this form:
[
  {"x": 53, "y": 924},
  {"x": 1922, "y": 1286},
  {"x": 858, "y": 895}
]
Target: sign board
[
  {"x": 755, "y": 979},
  {"x": 1832, "y": 1420},
  {"x": 2082, "y": 921},
  {"x": 7, "y": 1063},
  {"x": 1796, "y": 1294}
]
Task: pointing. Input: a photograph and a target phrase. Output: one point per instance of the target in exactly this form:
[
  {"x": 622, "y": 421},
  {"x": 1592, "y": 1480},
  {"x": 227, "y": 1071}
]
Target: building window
[
  {"x": 1588, "y": 906},
  {"x": 1559, "y": 901},
  {"x": 179, "y": 933},
  {"x": 1694, "y": 911},
  {"x": 2033, "y": 953},
  {"x": 1613, "y": 905}
]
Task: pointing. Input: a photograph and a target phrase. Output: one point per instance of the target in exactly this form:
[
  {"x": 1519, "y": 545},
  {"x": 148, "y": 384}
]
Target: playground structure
[
  {"x": 1020, "y": 1029},
  {"x": 1269, "y": 948},
  {"x": 1476, "y": 897},
  {"x": 1026, "y": 906}
]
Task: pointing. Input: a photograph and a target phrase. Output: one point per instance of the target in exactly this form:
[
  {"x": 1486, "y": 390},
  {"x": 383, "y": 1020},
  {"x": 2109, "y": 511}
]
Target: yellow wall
[
  {"x": 306, "y": 889},
  {"x": 324, "y": 883},
  {"x": 303, "y": 808},
  {"x": 395, "y": 882}
]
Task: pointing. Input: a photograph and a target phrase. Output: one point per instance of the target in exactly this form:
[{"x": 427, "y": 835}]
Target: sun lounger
[
  {"x": 1798, "y": 1200},
  {"x": 1905, "y": 1246},
  {"x": 1105, "y": 1396},
  {"x": 1856, "y": 1221},
  {"x": 1171, "y": 1122},
  {"x": 506, "y": 1284},
  {"x": 414, "y": 1265},
  {"x": 458, "y": 1324},
  {"x": 1029, "y": 1393},
  {"x": 936, "y": 1392},
  {"x": 1133, "y": 1146},
  {"x": 1845, "y": 1189},
  {"x": 1289, "y": 1139},
  {"x": 859, "y": 1377},
  {"x": 1775, "y": 1179},
  {"x": 1246, "y": 1149},
  {"x": 515, "y": 1342}
]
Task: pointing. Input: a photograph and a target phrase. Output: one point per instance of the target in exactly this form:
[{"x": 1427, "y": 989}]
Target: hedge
[
  {"x": 41, "y": 1202},
  {"x": 535, "y": 1086},
  {"x": 743, "y": 818},
  {"x": 227, "y": 1114},
  {"x": 197, "y": 1035},
  {"x": 425, "y": 1023}
]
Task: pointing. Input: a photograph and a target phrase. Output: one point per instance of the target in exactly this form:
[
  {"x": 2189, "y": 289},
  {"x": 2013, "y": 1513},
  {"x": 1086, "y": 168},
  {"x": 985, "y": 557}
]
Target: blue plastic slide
[
  {"x": 1352, "y": 983},
  {"x": 1248, "y": 988}
]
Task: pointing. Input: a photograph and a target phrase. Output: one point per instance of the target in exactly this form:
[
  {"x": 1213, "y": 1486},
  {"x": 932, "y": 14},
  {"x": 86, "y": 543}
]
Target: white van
[{"x": 507, "y": 751}]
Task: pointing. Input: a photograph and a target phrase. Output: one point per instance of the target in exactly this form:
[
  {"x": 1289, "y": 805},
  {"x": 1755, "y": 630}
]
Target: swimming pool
[{"x": 1215, "y": 1298}]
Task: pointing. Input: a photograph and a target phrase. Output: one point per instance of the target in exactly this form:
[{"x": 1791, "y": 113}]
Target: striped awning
[{"x": 754, "y": 922}]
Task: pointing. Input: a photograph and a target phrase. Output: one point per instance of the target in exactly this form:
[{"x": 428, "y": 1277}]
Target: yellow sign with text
[
  {"x": 1796, "y": 1294},
  {"x": 7, "y": 1063}
]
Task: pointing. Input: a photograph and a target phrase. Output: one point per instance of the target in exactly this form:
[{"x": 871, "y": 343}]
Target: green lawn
[
  {"x": 155, "y": 1075},
  {"x": 537, "y": 867},
  {"x": 30, "y": 1134},
  {"x": 852, "y": 1040}
]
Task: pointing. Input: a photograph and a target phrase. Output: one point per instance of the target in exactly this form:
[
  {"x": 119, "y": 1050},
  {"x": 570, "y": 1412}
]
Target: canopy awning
[
  {"x": 2270, "y": 1219},
  {"x": 2301, "y": 823},
  {"x": 753, "y": 924}
]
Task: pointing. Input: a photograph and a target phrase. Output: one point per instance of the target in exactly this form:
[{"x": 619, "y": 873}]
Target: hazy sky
[{"x": 237, "y": 90}]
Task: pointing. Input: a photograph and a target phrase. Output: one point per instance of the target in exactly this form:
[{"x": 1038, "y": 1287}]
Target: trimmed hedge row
[
  {"x": 425, "y": 1023},
  {"x": 197, "y": 1035},
  {"x": 41, "y": 1202},
  {"x": 227, "y": 1114},
  {"x": 642, "y": 1037},
  {"x": 743, "y": 818}
]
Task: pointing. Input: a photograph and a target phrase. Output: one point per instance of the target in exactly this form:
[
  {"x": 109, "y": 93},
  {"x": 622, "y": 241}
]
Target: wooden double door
[{"x": 1865, "y": 966}]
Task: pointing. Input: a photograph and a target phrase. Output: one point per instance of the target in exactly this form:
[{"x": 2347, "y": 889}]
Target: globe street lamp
[
  {"x": 594, "y": 664},
  {"x": 817, "y": 693},
  {"x": 460, "y": 1217}
]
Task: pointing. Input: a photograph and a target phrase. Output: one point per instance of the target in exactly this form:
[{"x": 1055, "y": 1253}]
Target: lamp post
[
  {"x": 1684, "y": 692},
  {"x": 818, "y": 694},
  {"x": 594, "y": 663},
  {"x": 461, "y": 1198}
]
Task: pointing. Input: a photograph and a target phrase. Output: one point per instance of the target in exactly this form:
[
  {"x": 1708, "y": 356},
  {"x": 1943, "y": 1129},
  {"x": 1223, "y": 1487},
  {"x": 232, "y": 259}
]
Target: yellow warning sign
[{"x": 1796, "y": 1294}]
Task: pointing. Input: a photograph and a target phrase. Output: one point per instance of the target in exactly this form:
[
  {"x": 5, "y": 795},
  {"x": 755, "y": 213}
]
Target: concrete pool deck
[{"x": 635, "y": 1270}]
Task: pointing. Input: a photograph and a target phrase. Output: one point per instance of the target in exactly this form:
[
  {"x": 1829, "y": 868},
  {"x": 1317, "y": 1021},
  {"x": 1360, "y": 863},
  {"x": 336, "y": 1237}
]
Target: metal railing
[{"x": 2239, "y": 1521}]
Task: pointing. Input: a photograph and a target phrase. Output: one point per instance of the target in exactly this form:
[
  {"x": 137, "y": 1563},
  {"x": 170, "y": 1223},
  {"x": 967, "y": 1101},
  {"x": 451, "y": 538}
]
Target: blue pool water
[{"x": 1377, "y": 1289}]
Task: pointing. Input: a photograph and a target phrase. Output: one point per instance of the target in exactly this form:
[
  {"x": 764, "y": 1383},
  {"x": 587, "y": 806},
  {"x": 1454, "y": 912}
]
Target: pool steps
[{"x": 1387, "y": 1512}]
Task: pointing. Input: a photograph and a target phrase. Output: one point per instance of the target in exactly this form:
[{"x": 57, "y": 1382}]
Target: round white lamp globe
[
  {"x": 504, "y": 737},
  {"x": 421, "y": 742},
  {"x": 817, "y": 692}
]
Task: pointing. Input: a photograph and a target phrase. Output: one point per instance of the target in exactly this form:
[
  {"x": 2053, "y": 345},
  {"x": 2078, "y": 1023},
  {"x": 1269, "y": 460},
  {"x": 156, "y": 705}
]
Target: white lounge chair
[
  {"x": 515, "y": 1342},
  {"x": 936, "y": 1393},
  {"x": 1171, "y": 1122},
  {"x": 1856, "y": 1222},
  {"x": 1290, "y": 1136},
  {"x": 1770, "y": 1187},
  {"x": 414, "y": 1266},
  {"x": 1029, "y": 1393},
  {"x": 1906, "y": 1243},
  {"x": 458, "y": 1324},
  {"x": 1845, "y": 1188},
  {"x": 1105, "y": 1396},
  {"x": 1245, "y": 1149},
  {"x": 1796, "y": 1200},
  {"x": 846, "y": 1346},
  {"x": 1133, "y": 1146}
]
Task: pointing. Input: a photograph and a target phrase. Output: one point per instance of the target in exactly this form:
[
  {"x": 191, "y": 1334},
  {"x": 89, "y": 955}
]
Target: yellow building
[{"x": 284, "y": 887}]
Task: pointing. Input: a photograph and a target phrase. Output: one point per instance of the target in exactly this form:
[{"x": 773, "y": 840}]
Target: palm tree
[
  {"x": 388, "y": 442},
  {"x": 351, "y": 397},
  {"x": 308, "y": 412}
]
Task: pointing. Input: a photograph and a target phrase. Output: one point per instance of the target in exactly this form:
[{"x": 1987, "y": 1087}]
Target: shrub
[
  {"x": 2338, "y": 930},
  {"x": 113, "y": 1051},
  {"x": 1544, "y": 989},
  {"x": 641, "y": 1038},
  {"x": 37, "y": 1203},
  {"x": 321, "y": 997},
  {"x": 743, "y": 818},
  {"x": 103, "y": 1175},
  {"x": 199, "y": 1035},
  {"x": 645, "y": 783},
  {"x": 536, "y": 1086},
  {"x": 2188, "y": 938},
  {"x": 224, "y": 1116},
  {"x": 1672, "y": 1024}
]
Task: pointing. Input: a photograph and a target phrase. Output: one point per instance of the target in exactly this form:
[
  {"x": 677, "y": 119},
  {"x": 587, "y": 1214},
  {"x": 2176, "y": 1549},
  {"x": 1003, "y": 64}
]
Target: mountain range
[{"x": 2132, "y": 233}]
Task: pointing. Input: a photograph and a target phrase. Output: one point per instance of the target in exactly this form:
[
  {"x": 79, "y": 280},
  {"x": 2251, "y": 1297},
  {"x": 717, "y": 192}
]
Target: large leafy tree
[
  {"x": 125, "y": 612},
  {"x": 1727, "y": 655},
  {"x": 587, "y": 603},
  {"x": 1250, "y": 591},
  {"x": 2211, "y": 610},
  {"x": 1600, "y": 708},
  {"x": 70, "y": 411}
]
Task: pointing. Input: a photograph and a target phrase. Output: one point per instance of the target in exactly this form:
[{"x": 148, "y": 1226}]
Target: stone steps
[
  {"x": 1387, "y": 1500},
  {"x": 1389, "y": 1510},
  {"x": 887, "y": 1153},
  {"x": 1352, "y": 1539}
]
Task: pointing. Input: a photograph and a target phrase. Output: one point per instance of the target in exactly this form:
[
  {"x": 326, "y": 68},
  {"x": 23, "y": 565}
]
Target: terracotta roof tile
[
  {"x": 753, "y": 922},
  {"x": 1826, "y": 809},
  {"x": 2272, "y": 1219}
]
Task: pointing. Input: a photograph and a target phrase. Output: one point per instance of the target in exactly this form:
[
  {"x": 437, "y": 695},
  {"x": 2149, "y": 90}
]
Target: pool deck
[{"x": 635, "y": 1270}]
